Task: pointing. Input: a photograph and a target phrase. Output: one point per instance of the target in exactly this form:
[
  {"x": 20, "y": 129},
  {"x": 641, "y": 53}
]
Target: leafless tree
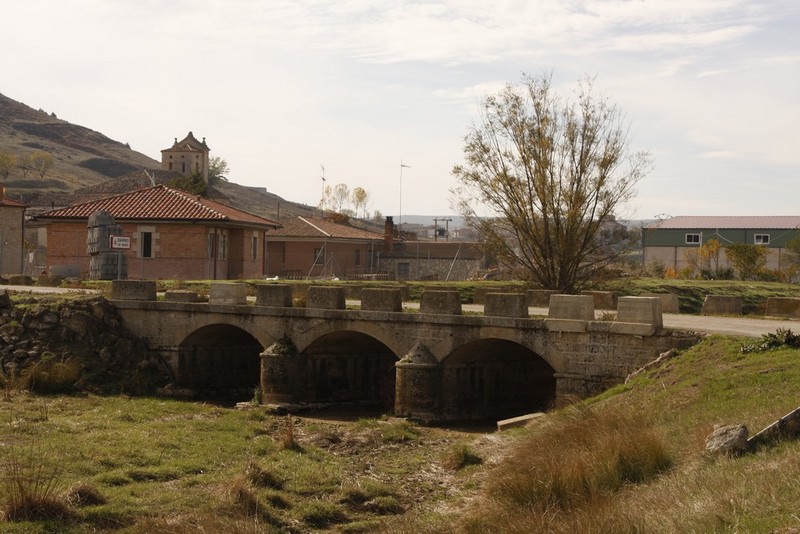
[{"x": 542, "y": 174}]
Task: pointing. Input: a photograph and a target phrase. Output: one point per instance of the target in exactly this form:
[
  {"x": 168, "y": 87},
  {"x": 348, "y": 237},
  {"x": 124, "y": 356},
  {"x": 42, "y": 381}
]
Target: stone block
[
  {"x": 278, "y": 295},
  {"x": 133, "y": 290},
  {"x": 722, "y": 305},
  {"x": 603, "y": 300},
  {"x": 646, "y": 310},
  {"x": 479, "y": 296},
  {"x": 632, "y": 329},
  {"x": 540, "y": 298},
  {"x": 577, "y": 307},
  {"x": 49, "y": 280},
  {"x": 441, "y": 302},
  {"x": 379, "y": 299},
  {"x": 783, "y": 307},
  {"x": 325, "y": 297},
  {"x": 181, "y": 295},
  {"x": 669, "y": 301},
  {"x": 20, "y": 280},
  {"x": 228, "y": 293},
  {"x": 506, "y": 305}
]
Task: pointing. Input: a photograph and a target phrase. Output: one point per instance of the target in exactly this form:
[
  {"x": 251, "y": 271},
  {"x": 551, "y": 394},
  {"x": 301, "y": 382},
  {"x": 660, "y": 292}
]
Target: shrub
[
  {"x": 460, "y": 456},
  {"x": 30, "y": 484},
  {"x": 53, "y": 376},
  {"x": 585, "y": 454},
  {"x": 782, "y": 337}
]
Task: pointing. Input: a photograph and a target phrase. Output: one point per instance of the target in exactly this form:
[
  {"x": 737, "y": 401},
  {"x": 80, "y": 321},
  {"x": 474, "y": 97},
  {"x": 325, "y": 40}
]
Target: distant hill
[{"x": 84, "y": 158}]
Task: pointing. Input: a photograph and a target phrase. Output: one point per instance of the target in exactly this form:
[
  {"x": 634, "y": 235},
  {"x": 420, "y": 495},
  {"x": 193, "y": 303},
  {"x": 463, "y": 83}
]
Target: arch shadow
[{"x": 495, "y": 378}]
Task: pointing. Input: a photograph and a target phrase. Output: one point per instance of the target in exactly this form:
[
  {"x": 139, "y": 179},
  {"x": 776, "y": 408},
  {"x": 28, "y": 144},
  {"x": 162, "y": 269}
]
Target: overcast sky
[{"x": 280, "y": 87}]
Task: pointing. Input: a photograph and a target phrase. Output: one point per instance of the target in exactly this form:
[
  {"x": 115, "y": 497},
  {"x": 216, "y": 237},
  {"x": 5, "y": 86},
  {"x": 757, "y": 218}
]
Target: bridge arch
[
  {"x": 495, "y": 378},
  {"x": 348, "y": 366},
  {"x": 219, "y": 360}
]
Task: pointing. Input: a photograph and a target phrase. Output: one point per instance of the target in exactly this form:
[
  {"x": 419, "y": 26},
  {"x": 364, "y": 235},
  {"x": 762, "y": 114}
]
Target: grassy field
[{"x": 630, "y": 460}]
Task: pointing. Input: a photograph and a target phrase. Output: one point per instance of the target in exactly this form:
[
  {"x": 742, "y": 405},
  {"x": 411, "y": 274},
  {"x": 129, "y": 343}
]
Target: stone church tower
[{"x": 187, "y": 157}]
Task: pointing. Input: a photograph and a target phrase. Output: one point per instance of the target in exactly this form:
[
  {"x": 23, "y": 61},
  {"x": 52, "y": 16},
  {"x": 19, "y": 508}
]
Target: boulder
[{"x": 729, "y": 439}]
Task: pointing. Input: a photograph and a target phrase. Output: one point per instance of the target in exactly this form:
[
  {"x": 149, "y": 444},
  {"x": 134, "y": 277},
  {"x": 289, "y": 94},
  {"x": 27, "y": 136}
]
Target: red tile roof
[
  {"x": 734, "y": 221},
  {"x": 313, "y": 228},
  {"x": 160, "y": 203},
  {"x": 5, "y": 201}
]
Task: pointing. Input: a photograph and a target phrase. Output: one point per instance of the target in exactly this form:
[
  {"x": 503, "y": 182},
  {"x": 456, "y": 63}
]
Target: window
[
  {"x": 223, "y": 246},
  {"x": 254, "y": 248},
  {"x": 319, "y": 258},
  {"x": 147, "y": 244},
  {"x": 403, "y": 269},
  {"x": 692, "y": 239},
  {"x": 357, "y": 259},
  {"x": 212, "y": 246},
  {"x": 761, "y": 239}
]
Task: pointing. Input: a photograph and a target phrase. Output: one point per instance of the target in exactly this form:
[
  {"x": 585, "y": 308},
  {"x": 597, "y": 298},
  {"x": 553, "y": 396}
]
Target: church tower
[{"x": 187, "y": 157}]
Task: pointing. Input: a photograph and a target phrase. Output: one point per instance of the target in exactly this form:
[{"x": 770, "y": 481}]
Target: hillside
[{"x": 84, "y": 158}]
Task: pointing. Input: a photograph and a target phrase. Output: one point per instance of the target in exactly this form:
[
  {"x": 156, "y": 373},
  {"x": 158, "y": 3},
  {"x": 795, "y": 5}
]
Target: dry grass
[{"x": 30, "y": 484}]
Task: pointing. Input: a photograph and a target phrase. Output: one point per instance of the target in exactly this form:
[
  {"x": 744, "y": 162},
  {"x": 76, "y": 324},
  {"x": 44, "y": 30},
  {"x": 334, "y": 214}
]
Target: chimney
[{"x": 388, "y": 236}]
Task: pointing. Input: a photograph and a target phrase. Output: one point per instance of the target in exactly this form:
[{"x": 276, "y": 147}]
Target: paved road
[{"x": 743, "y": 326}]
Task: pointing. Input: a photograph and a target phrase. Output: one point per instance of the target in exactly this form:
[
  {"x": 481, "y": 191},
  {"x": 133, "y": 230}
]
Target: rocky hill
[{"x": 86, "y": 159}]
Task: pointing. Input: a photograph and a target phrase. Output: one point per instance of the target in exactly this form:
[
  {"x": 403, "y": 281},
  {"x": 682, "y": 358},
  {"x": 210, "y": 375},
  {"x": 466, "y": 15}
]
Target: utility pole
[
  {"x": 400, "y": 218},
  {"x": 322, "y": 198}
]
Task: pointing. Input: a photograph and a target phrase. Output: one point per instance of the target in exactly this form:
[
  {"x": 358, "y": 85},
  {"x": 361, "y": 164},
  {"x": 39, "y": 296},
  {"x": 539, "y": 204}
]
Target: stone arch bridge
[{"x": 437, "y": 364}]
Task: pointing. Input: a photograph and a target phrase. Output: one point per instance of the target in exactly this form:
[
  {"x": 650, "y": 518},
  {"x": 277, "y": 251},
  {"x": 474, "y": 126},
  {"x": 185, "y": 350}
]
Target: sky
[{"x": 281, "y": 88}]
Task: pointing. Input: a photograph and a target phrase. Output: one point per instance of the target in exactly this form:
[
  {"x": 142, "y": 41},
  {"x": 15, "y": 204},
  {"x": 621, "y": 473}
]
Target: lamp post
[{"x": 400, "y": 217}]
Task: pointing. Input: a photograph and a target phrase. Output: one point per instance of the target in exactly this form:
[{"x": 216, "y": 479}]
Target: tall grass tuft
[
  {"x": 53, "y": 376},
  {"x": 30, "y": 483},
  {"x": 460, "y": 456},
  {"x": 586, "y": 454},
  {"x": 288, "y": 439}
]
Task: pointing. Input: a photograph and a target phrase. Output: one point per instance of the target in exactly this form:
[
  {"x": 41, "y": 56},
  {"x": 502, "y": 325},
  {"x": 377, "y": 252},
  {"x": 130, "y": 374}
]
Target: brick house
[
  {"x": 12, "y": 234},
  {"x": 312, "y": 247},
  {"x": 668, "y": 241},
  {"x": 173, "y": 234}
]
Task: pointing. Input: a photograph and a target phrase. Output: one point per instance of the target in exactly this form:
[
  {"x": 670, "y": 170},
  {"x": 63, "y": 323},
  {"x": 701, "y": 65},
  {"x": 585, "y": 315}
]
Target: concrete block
[
  {"x": 603, "y": 300},
  {"x": 227, "y": 293},
  {"x": 645, "y": 310},
  {"x": 181, "y": 295},
  {"x": 326, "y": 297},
  {"x": 479, "y": 296},
  {"x": 783, "y": 307},
  {"x": 20, "y": 280},
  {"x": 441, "y": 302},
  {"x": 669, "y": 301},
  {"x": 722, "y": 305},
  {"x": 577, "y": 307},
  {"x": 380, "y": 299},
  {"x": 133, "y": 290},
  {"x": 506, "y": 305},
  {"x": 540, "y": 298},
  {"x": 278, "y": 295}
]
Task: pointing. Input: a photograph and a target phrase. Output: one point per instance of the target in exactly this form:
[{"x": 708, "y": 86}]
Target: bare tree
[
  {"x": 360, "y": 199},
  {"x": 24, "y": 164},
  {"x": 541, "y": 176},
  {"x": 7, "y": 163},
  {"x": 41, "y": 162}
]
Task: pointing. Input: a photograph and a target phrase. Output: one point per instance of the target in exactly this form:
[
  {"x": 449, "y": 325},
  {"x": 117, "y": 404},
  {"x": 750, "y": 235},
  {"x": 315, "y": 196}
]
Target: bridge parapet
[
  {"x": 569, "y": 313},
  {"x": 278, "y": 295},
  {"x": 379, "y": 299},
  {"x": 505, "y": 305},
  {"x": 133, "y": 290}
]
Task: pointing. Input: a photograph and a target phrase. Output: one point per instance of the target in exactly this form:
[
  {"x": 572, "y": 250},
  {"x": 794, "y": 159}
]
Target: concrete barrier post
[
  {"x": 277, "y": 295},
  {"x": 603, "y": 300},
  {"x": 638, "y": 316},
  {"x": 540, "y": 298},
  {"x": 722, "y": 305},
  {"x": 326, "y": 297},
  {"x": 669, "y": 301},
  {"x": 569, "y": 313},
  {"x": 506, "y": 305},
  {"x": 380, "y": 299},
  {"x": 441, "y": 302},
  {"x": 227, "y": 293},
  {"x": 133, "y": 290}
]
